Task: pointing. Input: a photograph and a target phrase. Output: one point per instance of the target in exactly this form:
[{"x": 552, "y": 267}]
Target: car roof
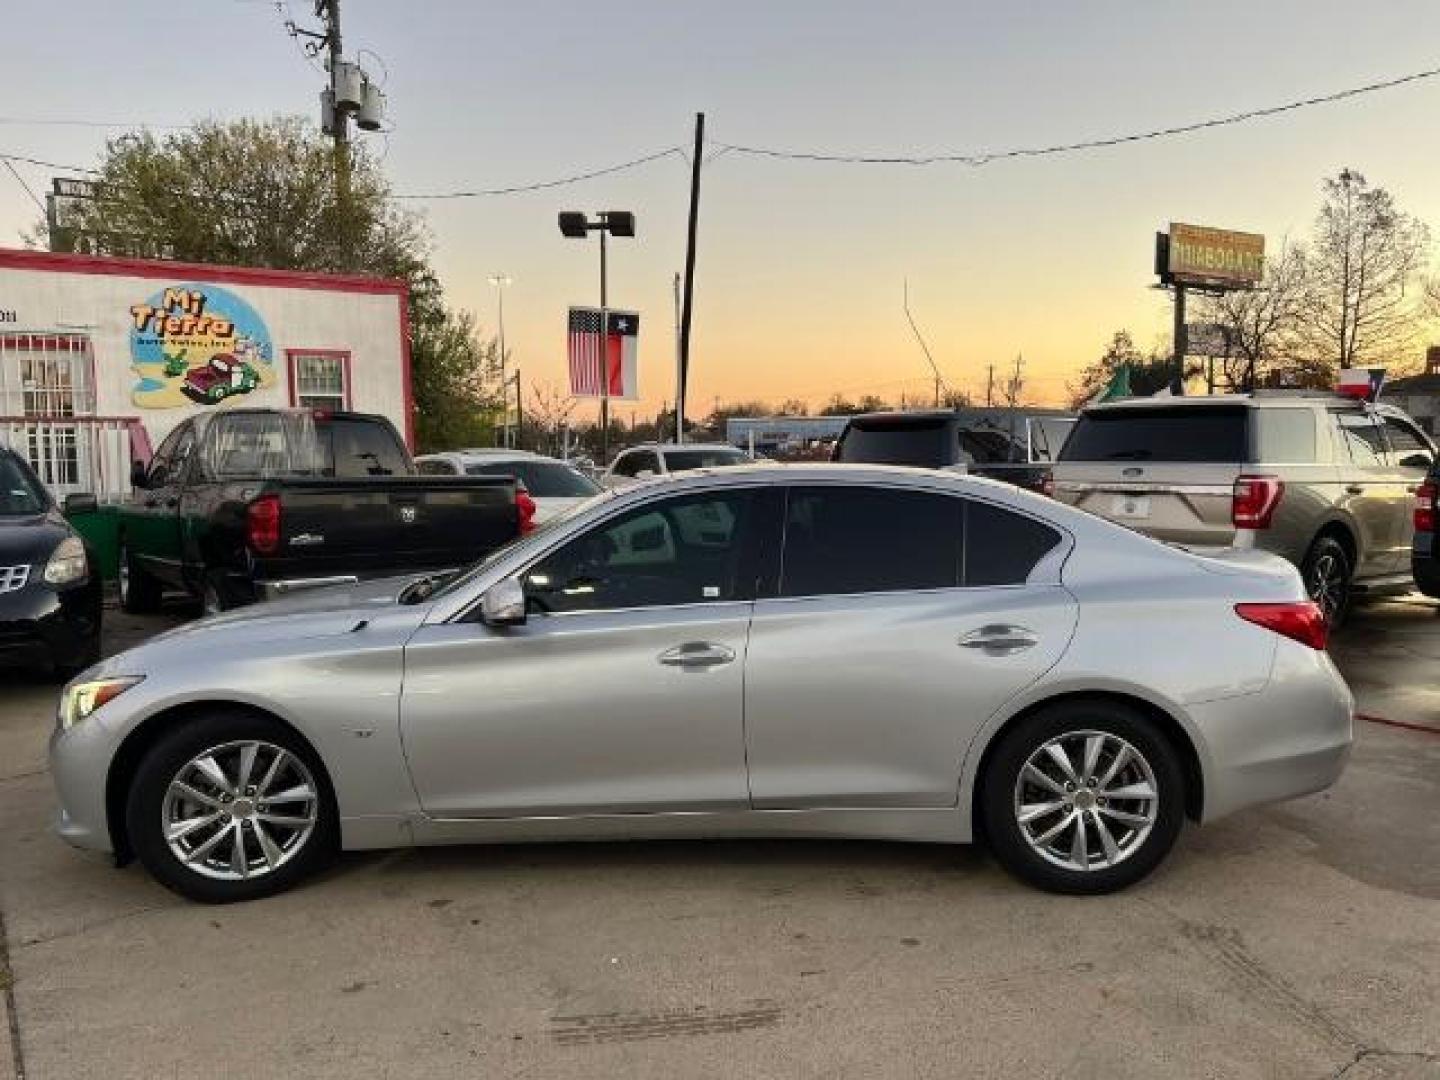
[
  {"x": 1261, "y": 399},
  {"x": 497, "y": 453}
]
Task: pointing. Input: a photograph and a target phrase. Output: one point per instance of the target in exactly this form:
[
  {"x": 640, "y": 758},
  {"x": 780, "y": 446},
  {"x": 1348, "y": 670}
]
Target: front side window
[
  {"x": 20, "y": 492},
  {"x": 846, "y": 539},
  {"x": 1407, "y": 449},
  {"x": 320, "y": 380},
  {"x": 1362, "y": 435},
  {"x": 162, "y": 465},
  {"x": 692, "y": 549}
]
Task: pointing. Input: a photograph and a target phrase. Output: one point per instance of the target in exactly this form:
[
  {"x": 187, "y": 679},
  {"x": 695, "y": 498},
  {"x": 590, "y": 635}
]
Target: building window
[
  {"x": 45, "y": 380},
  {"x": 320, "y": 379}
]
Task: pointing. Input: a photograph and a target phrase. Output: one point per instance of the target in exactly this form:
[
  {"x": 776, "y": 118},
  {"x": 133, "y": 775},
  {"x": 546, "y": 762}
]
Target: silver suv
[{"x": 1327, "y": 482}]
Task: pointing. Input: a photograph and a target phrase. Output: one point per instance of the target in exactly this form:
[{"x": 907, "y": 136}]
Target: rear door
[
  {"x": 902, "y": 620},
  {"x": 1165, "y": 470},
  {"x": 1410, "y": 459}
]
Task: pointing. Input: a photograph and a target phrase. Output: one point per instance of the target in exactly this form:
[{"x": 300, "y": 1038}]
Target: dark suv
[
  {"x": 1425, "y": 554},
  {"x": 1327, "y": 482}
]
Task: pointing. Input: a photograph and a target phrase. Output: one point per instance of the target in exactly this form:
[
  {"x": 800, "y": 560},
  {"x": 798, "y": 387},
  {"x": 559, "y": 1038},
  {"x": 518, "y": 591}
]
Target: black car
[
  {"x": 1425, "y": 554},
  {"x": 49, "y": 588},
  {"x": 1011, "y": 445}
]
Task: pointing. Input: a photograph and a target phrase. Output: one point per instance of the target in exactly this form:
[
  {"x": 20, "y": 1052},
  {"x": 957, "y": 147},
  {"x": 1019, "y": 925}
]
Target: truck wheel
[
  {"x": 231, "y": 806},
  {"x": 1082, "y": 797},
  {"x": 216, "y": 593},
  {"x": 1327, "y": 572},
  {"x": 139, "y": 592}
]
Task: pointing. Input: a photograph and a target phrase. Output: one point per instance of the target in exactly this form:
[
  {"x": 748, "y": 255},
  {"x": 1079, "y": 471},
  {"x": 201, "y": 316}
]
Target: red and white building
[{"x": 101, "y": 357}]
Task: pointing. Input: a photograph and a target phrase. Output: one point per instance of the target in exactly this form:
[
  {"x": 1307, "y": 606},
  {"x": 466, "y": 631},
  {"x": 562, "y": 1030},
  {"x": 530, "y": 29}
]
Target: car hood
[{"x": 30, "y": 538}]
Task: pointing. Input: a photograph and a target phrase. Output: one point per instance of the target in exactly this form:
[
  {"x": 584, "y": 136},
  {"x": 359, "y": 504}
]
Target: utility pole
[
  {"x": 990, "y": 385},
  {"x": 687, "y": 313},
  {"x": 500, "y": 281},
  {"x": 679, "y": 370},
  {"x": 1179, "y": 335},
  {"x": 519, "y": 410}
]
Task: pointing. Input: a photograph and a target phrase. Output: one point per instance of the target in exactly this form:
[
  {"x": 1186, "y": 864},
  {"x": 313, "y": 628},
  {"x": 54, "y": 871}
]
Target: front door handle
[
  {"x": 1000, "y": 640},
  {"x": 697, "y": 654},
  {"x": 1354, "y": 489}
]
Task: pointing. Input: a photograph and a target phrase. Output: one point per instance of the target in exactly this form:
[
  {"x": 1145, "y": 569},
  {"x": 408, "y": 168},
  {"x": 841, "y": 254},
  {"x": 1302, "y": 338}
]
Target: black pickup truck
[{"x": 243, "y": 504}]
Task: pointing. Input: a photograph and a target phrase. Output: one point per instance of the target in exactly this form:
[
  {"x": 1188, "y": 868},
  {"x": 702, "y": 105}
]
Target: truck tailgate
[{"x": 388, "y": 525}]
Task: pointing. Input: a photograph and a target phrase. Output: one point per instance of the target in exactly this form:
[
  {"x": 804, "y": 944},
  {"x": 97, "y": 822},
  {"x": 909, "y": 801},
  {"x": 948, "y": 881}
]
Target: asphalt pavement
[{"x": 1299, "y": 940}]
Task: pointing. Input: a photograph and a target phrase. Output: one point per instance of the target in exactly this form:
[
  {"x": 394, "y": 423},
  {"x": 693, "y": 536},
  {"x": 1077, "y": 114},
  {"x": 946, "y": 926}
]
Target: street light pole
[{"x": 500, "y": 281}]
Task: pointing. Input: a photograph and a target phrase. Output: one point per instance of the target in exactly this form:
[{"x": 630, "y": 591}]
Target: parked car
[
  {"x": 244, "y": 504},
  {"x": 1425, "y": 554},
  {"x": 664, "y": 459},
  {"x": 556, "y": 486},
  {"x": 1325, "y": 481},
  {"x": 800, "y": 650},
  {"x": 946, "y": 439},
  {"x": 49, "y": 587}
]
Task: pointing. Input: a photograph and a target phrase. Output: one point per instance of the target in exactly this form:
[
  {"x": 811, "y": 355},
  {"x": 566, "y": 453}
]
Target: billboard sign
[{"x": 1212, "y": 258}]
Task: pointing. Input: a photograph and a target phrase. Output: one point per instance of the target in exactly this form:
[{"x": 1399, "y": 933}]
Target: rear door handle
[
  {"x": 1000, "y": 639},
  {"x": 1354, "y": 489},
  {"x": 697, "y": 654}
]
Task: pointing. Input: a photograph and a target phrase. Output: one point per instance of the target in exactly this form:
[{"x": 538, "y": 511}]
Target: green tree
[{"x": 1149, "y": 373}]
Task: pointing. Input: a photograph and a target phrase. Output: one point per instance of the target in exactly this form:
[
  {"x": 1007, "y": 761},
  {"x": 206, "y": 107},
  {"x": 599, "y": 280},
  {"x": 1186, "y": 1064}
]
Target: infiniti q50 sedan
[{"x": 829, "y": 650}]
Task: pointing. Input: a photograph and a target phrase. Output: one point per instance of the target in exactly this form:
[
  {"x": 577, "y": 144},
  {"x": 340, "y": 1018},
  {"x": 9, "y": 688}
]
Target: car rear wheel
[
  {"x": 139, "y": 592},
  {"x": 1327, "y": 572},
  {"x": 1083, "y": 797},
  {"x": 231, "y": 806}
]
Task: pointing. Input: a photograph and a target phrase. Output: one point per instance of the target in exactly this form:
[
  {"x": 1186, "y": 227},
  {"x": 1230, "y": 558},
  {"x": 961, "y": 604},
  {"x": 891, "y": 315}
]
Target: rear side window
[
  {"x": 359, "y": 448},
  {"x": 860, "y": 540},
  {"x": 1284, "y": 436},
  {"x": 1196, "y": 433},
  {"x": 929, "y": 443},
  {"x": 1002, "y": 548},
  {"x": 1407, "y": 448}
]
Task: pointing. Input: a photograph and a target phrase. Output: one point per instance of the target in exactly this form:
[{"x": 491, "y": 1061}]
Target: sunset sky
[{"x": 801, "y": 264}]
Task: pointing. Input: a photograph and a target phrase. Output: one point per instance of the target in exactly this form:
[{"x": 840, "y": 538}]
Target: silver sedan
[{"x": 768, "y": 651}]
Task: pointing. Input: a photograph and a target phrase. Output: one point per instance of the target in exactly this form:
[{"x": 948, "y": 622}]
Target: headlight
[
  {"x": 82, "y": 699},
  {"x": 67, "y": 565}
]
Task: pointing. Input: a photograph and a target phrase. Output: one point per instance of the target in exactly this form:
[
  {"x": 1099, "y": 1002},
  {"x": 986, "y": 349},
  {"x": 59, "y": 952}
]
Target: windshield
[
  {"x": 539, "y": 535},
  {"x": 925, "y": 442},
  {"x": 20, "y": 492},
  {"x": 708, "y": 457},
  {"x": 1193, "y": 434},
  {"x": 542, "y": 479}
]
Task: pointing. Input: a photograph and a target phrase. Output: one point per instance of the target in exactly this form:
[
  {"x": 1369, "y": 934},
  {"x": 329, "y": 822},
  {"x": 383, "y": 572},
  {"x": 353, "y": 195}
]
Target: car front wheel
[
  {"x": 1083, "y": 797},
  {"x": 139, "y": 592},
  {"x": 231, "y": 806}
]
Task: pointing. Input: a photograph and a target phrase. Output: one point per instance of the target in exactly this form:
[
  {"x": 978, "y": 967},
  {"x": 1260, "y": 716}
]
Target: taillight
[
  {"x": 526, "y": 505},
  {"x": 1254, "y": 501},
  {"x": 1047, "y": 484},
  {"x": 1426, "y": 496},
  {"x": 1298, "y": 620},
  {"x": 262, "y": 525}
]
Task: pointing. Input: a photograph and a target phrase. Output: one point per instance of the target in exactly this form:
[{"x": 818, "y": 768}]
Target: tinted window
[
  {"x": 543, "y": 479},
  {"x": 636, "y": 462},
  {"x": 1284, "y": 436},
  {"x": 1047, "y": 436},
  {"x": 709, "y": 457},
  {"x": 687, "y": 550},
  {"x": 439, "y": 467},
  {"x": 1363, "y": 438},
  {"x": 856, "y": 540},
  {"x": 929, "y": 443},
  {"x": 360, "y": 448},
  {"x": 20, "y": 492},
  {"x": 1196, "y": 433},
  {"x": 1407, "y": 448},
  {"x": 164, "y": 457},
  {"x": 1001, "y": 547}
]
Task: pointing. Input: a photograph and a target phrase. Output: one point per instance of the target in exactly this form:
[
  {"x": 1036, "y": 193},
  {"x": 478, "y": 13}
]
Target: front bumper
[
  {"x": 80, "y": 760},
  {"x": 1291, "y": 739},
  {"x": 42, "y": 625}
]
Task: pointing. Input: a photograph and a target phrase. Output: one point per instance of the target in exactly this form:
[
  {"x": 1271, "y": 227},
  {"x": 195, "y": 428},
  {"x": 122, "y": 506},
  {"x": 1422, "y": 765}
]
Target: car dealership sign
[{"x": 1209, "y": 258}]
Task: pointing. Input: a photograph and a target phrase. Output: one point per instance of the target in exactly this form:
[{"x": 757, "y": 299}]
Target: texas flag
[
  {"x": 601, "y": 348},
  {"x": 1359, "y": 382}
]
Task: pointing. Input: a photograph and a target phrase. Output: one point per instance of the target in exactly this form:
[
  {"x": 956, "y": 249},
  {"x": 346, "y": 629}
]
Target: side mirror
[
  {"x": 504, "y": 603},
  {"x": 82, "y": 502},
  {"x": 139, "y": 478}
]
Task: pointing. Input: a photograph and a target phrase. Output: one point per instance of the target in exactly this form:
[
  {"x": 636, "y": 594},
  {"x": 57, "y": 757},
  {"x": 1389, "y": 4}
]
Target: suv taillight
[
  {"x": 1299, "y": 620},
  {"x": 1254, "y": 501},
  {"x": 526, "y": 506},
  {"x": 262, "y": 525},
  {"x": 1426, "y": 497}
]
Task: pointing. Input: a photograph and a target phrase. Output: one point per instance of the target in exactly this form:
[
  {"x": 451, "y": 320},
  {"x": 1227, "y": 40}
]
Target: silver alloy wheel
[
  {"x": 1086, "y": 800},
  {"x": 1327, "y": 585},
  {"x": 240, "y": 810}
]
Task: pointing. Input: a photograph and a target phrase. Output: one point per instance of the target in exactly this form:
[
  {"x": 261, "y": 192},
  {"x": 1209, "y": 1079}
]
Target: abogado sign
[{"x": 1211, "y": 258}]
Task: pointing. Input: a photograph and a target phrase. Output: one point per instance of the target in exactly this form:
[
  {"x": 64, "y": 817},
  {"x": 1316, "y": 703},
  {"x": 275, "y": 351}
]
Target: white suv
[
  {"x": 662, "y": 459},
  {"x": 555, "y": 485}
]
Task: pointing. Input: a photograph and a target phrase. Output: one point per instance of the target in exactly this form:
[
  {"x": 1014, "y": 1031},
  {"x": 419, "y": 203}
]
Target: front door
[
  {"x": 621, "y": 693},
  {"x": 1410, "y": 461},
  {"x": 904, "y": 620},
  {"x": 154, "y": 515},
  {"x": 1372, "y": 493}
]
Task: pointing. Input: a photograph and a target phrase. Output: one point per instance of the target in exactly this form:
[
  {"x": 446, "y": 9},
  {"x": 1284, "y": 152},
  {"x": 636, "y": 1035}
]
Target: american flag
[{"x": 593, "y": 363}]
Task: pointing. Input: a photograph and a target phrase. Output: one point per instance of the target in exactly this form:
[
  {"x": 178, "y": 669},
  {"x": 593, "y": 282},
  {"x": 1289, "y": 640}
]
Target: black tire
[
  {"x": 145, "y": 807},
  {"x": 1329, "y": 577},
  {"x": 139, "y": 592},
  {"x": 1139, "y": 853}
]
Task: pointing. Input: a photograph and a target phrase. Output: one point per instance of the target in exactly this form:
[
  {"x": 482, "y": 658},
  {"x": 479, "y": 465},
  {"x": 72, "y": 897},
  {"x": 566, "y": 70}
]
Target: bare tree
[
  {"x": 1362, "y": 306},
  {"x": 1262, "y": 325},
  {"x": 549, "y": 413}
]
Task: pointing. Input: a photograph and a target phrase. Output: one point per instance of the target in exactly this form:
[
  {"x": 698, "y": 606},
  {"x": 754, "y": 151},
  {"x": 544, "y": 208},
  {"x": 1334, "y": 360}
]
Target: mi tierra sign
[{"x": 1210, "y": 258}]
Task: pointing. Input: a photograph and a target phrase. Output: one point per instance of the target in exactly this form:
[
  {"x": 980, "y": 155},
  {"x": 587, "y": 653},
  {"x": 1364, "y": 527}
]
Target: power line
[
  {"x": 543, "y": 184},
  {"x": 47, "y": 164},
  {"x": 28, "y": 189},
  {"x": 57, "y": 121},
  {"x": 979, "y": 158}
]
